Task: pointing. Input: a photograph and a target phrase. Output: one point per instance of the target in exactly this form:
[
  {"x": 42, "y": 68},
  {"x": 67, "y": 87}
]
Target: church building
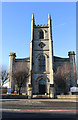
[{"x": 42, "y": 63}]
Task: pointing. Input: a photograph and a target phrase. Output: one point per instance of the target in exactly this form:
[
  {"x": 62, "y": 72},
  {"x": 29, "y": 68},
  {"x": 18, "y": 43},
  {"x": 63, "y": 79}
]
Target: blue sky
[{"x": 16, "y": 27}]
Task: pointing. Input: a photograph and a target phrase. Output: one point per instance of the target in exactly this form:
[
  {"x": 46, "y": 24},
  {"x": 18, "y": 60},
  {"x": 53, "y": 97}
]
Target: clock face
[{"x": 41, "y": 44}]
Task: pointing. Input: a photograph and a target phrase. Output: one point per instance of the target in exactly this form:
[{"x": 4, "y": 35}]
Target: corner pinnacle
[
  {"x": 32, "y": 15},
  {"x": 49, "y": 17}
]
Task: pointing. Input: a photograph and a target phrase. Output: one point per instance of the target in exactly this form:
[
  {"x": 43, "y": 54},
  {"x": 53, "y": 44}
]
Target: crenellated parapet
[
  {"x": 12, "y": 54},
  {"x": 71, "y": 55},
  {"x": 11, "y": 59},
  {"x": 11, "y": 64},
  {"x": 41, "y": 26}
]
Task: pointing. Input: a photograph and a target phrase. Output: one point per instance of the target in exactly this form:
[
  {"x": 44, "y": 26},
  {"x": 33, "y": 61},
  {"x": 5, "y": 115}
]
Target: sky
[{"x": 16, "y": 27}]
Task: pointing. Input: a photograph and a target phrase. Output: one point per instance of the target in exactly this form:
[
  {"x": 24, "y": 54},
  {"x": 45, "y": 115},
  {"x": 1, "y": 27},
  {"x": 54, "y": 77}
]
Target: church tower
[{"x": 41, "y": 59}]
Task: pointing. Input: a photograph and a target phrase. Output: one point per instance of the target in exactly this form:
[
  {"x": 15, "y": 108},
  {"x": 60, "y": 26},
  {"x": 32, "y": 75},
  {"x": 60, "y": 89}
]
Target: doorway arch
[{"x": 42, "y": 86}]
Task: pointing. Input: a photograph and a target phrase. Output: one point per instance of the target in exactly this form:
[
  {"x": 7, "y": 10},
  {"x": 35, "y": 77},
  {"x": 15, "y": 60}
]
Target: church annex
[{"x": 42, "y": 63}]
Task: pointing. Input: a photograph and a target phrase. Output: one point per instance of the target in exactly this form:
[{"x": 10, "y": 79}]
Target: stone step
[{"x": 40, "y": 96}]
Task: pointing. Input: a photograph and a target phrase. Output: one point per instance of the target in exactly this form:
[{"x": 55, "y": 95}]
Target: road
[{"x": 39, "y": 108}]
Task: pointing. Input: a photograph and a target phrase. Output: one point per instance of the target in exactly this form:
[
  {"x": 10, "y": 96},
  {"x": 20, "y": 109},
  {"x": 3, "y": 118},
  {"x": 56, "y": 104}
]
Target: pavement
[
  {"x": 39, "y": 108},
  {"x": 67, "y": 100}
]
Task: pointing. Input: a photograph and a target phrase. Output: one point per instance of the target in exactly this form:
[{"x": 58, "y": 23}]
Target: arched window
[
  {"x": 41, "y": 34},
  {"x": 41, "y": 61}
]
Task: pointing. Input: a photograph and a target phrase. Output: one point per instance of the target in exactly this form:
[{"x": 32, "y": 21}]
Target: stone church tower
[
  {"x": 42, "y": 63},
  {"x": 41, "y": 58}
]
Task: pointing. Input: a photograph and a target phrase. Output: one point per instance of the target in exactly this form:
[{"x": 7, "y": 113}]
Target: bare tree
[
  {"x": 62, "y": 76},
  {"x": 20, "y": 75},
  {"x": 3, "y": 75}
]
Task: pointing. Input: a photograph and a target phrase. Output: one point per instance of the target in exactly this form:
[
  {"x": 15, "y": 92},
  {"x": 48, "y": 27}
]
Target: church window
[
  {"x": 42, "y": 63},
  {"x": 41, "y": 34}
]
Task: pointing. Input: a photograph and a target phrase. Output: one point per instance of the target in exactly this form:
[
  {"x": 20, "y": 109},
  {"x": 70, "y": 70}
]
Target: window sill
[{"x": 42, "y": 72}]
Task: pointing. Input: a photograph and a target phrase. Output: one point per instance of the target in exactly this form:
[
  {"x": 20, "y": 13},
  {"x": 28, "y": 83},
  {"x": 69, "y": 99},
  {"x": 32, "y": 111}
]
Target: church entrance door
[{"x": 42, "y": 86}]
